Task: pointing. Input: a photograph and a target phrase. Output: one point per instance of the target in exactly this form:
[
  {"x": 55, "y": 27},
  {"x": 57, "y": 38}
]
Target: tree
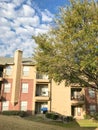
[{"x": 69, "y": 51}]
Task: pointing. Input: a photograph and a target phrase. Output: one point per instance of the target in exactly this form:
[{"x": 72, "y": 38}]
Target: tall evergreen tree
[{"x": 69, "y": 51}]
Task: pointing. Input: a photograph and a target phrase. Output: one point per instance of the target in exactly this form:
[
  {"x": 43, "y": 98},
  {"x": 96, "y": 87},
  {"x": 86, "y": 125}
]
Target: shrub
[
  {"x": 53, "y": 116},
  {"x": 95, "y": 116},
  {"x": 68, "y": 118},
  {"x": 87, "y": 116},
  {"x": 15, "y": 113},
  {"x": 48, "y": 115}
]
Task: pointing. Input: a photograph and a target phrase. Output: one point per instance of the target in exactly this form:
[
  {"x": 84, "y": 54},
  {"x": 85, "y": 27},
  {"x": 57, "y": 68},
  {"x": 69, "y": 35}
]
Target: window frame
[
  {"x": 93, "y": 109},
  {"x": 24, "y": 105},
  {"x": 8, "y": 70},
  {"x": 25, "y": 88},
  {"x": 26, "y": 70},
  {"x": 91, "y": 93},
  {"x": 7, "y": 87},
  {"x": 6, "y": 106}
]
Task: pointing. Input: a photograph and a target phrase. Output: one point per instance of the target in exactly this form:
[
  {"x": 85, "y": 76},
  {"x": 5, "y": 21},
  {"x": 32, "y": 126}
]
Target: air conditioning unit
[{"x": 44, "y": 92}]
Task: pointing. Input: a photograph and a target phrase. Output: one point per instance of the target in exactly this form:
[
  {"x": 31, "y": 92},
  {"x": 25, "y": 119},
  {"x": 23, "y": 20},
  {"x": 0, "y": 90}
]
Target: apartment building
[{"x": 23, "y": 88}]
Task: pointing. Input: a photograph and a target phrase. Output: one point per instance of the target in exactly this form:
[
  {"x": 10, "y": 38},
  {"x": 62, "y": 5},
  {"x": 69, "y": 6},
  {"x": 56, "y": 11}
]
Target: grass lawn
[
  {"x": 73, "y": 124},
  {"x": 17, "y": 123},
  {"x": 87, "y": 123}
]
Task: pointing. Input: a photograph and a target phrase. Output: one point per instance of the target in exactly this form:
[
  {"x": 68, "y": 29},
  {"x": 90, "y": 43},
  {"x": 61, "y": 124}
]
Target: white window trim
[
  {"x": 26, "y": 70},
  {"x": 24, "y": 105},
  {"x": 92, "y": 109},
  {"x": 25, "y": 87},
  {"x": 7, "y": 87},
  {"x": 8, "y": 70},
  {"x": 5, "y": 106},
  {"x": 91, "y": 93}
]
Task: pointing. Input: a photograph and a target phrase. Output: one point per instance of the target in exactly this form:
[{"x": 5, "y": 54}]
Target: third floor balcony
[{"x": 40, "y": 78}]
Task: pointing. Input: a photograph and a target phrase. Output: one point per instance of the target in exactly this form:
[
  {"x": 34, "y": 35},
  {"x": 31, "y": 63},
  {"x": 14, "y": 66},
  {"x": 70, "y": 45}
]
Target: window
[
  {"x": 25, "y": 88},
  {"x": 91, "y": 93},
  {"x": 79, "y": 111},
  {"x": 92, "y": 109},
  {"x": 7, "y": 87},
  {"x": 5, "y": 106},
  {"x": 8, "y": 70},
  {"x": 24, "y": 106},
  {"x": 25, "y": 70}
]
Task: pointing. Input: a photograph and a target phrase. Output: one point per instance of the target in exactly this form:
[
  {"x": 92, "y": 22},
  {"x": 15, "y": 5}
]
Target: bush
[
  {"x": 53, "y": 116},
  {"x": 95, "y": 116},
  {"x": 48, "y": 115},
  {"x": 68, "y": 118},
  {"x": 87, "y": 116},
  {"x": 15, "y": 113}
]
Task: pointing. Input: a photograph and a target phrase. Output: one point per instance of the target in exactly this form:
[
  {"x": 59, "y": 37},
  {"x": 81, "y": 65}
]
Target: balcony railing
[
  {"x": 42, "y": 78},
  {"x": 77, "y": 100},
  {"x": 43, "y": 94},
  {"x": 1, "y": 75}
]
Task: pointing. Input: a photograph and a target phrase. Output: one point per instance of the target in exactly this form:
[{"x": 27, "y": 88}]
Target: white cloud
[
  {"x": 18, "y": 22},
  {"x": 28, "y": 20},
  {"x": 28, "y": 11},
  {"x": 18, "y": 2},
  {"x": 46, "y": 16},
  {"x": 7, "y": 10},
  {"x": 4, "y": 22}
]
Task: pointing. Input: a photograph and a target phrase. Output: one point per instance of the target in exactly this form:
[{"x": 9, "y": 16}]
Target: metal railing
[
  {"x": 1, "y": 74},
  {"x": 40, "y": 76},
  {"x": 78, "y": 98}
]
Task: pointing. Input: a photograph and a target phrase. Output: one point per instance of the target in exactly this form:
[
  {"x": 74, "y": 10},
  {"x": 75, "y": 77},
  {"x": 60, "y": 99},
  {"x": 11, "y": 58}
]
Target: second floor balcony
[
  {"x": 1, "y": 75},
  {"x": 77, "y": 96},
  {"x": 42, "y": 92}
]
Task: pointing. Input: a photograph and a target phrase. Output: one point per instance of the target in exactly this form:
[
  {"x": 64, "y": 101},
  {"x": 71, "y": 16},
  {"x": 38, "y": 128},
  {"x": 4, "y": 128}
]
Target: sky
[{"x": 21, "y": 19}]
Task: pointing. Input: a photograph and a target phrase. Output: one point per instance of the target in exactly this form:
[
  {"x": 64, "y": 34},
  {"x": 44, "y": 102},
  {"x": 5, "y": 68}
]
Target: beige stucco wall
[
  {"x": 61, "y": 99},
  {"x": 32, "y": 72}
]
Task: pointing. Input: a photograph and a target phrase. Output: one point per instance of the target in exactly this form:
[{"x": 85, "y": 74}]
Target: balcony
[
  {"x": 77, "y": 96},
  {"x": 42, "y": 98},
  {"x": 42, "y": 78},
  {"x": 42, "y": 93},
  {"x": 1, "y": 76},
  {"x": 77, "y": 101}
]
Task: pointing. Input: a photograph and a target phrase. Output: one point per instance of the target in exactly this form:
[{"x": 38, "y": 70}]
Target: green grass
[
  {"x": 87, "y": 123},
  {"x": 39, "y": 123},
  {"x": 73, "y": 124}
]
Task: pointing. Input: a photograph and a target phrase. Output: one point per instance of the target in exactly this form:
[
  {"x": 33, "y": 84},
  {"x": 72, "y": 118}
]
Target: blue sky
[{"x": 20, "y": 19}]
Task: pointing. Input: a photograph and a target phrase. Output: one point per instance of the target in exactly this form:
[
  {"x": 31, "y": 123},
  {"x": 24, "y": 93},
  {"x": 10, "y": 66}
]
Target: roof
[
  {"x": 28, "y": 61},
  {"x": 7, "y": 60}
]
